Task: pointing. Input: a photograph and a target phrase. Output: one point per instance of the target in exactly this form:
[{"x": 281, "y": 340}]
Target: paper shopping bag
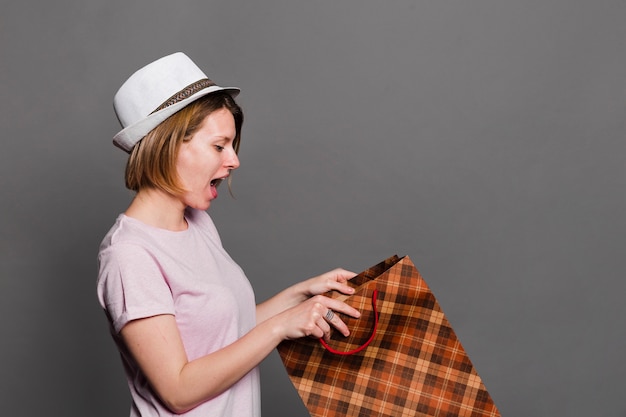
[{"x": 402, "y": 357}]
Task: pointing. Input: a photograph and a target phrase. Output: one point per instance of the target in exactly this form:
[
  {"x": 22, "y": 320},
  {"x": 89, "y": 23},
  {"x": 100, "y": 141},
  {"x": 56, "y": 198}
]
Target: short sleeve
[{"x": 131, "y": 285}]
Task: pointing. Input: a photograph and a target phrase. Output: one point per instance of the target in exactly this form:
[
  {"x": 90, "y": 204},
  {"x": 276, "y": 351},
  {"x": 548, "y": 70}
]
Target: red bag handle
[{"x": 363, "y": 346}]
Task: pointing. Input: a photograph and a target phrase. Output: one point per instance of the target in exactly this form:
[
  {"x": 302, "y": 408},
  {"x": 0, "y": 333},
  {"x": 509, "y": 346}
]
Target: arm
[
  {"x": 296, "y": 294},
  {"x": 156, "y": 345}
]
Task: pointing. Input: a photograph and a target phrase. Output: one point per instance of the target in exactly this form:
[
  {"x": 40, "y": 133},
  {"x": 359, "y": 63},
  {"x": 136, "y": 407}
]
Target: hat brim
[{"x": 128, "y": 137}]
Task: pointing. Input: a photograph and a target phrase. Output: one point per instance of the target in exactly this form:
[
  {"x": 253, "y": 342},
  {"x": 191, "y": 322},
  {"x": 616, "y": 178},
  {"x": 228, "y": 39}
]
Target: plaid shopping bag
[{"x": 402, "y": 357}]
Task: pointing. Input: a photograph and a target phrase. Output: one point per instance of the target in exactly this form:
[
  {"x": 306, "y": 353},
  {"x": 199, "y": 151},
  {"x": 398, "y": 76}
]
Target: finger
[
  {"x": 340, "y": 287},
  {"x": 341, "y": 307},
  {"x": 327, "y": 329},
  {"x": 339, "y": 281},
  {"x": 343, "y": 275},
  {"x": 336, "y": 322},
  {"x": 323, "y": 325},
  {"x": 316, "y": 329}
]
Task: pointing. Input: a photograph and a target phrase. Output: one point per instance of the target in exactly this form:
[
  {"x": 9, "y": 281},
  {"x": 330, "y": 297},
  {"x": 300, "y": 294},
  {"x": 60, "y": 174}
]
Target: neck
[{"x": 158, "y": 209}]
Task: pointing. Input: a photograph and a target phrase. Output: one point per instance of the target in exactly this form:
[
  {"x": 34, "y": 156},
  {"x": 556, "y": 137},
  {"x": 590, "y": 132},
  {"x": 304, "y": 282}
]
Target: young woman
[{"x": 182, "y": 312}]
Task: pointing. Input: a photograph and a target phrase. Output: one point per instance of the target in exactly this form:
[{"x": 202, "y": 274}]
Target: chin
[
  {"x": 204, "y": 207},
  {"x": 199, "y": 205}
]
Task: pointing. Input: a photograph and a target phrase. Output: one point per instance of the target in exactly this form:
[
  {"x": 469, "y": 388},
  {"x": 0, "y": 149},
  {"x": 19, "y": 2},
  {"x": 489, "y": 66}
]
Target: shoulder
[
  {"x": 126, "y": 238},
  {"x": 124, "y": 229}
]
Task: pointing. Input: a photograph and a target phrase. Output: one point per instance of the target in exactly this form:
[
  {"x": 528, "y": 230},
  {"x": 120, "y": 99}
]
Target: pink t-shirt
[{"x": 145, "y": 271}]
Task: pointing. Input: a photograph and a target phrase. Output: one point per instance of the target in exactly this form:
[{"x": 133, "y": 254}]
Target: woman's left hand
[{"x": 336, "y": 280}]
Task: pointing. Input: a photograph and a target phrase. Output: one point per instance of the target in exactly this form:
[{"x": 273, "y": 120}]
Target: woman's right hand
[{"x": 310, "y": 318}]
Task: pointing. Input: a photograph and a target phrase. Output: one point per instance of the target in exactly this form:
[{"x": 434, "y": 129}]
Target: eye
[{"x": 219, "y": 148}]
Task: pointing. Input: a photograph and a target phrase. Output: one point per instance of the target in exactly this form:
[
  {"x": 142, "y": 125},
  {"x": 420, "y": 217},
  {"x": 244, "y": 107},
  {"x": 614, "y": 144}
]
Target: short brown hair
[{"x": 152, "y": 162}]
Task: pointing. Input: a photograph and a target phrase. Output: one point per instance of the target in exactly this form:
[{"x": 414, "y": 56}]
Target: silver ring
[{"x": 329, "y": 315}]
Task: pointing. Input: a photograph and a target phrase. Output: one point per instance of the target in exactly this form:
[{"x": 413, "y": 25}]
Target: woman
[{"x": 182, "y": 312}]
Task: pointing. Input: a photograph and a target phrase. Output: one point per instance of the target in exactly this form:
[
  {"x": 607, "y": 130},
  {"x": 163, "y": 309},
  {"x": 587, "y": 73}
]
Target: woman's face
[{"x": 207, "y": 159}]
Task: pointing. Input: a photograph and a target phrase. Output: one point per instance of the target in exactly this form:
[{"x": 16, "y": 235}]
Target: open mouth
[{"x": 214, "y": 184}]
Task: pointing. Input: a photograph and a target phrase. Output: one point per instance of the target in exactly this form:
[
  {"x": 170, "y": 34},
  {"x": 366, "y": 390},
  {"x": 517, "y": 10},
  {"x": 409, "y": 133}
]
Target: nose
[{"x": 232, "y": 162}]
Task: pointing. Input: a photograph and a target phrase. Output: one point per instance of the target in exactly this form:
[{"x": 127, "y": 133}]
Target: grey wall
[{"x": 484, "y": 139}]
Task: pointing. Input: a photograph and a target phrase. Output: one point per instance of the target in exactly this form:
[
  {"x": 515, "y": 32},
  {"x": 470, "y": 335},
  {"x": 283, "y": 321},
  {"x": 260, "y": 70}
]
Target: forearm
[
  {"x": 209, "y": 376},
  {"x": 284, "y": 300}
]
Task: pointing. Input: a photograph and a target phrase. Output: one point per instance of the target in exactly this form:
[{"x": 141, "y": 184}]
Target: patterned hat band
[{"x": 186, "y": 92}]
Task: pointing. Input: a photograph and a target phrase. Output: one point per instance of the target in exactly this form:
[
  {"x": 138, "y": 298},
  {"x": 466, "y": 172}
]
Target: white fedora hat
[{"x": 157, "y": 91}]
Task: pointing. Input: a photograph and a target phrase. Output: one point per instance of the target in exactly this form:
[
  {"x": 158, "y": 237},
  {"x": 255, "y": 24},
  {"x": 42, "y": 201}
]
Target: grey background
[{"x": 484, "y": 139}]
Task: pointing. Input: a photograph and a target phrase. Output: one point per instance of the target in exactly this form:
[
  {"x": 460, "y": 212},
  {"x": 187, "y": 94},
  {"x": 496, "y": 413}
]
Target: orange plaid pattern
[{"x": 414, "y": 366}]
